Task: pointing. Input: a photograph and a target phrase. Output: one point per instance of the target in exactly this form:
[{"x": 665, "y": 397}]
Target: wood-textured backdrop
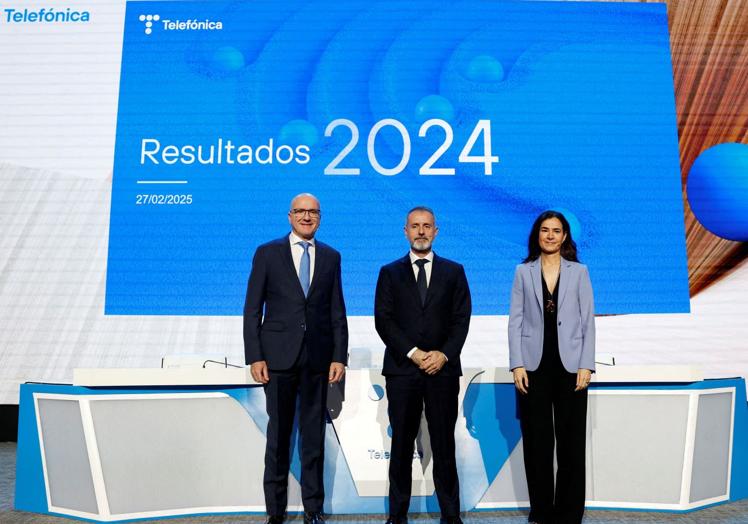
[{"x": 709, "y": 44}]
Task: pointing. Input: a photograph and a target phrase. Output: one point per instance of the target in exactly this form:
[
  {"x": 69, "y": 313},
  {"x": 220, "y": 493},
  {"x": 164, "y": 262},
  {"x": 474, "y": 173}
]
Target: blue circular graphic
[
  {"x": 389, "y": 431},
  {"x": 298, "y": 132},
  {"x": 376, "y": 392},
  {"x": 718, "y": 190},
  {"x": 434, "y": 106},
  {"x": 485, "y": 69},
  {"x": 228, "y": 59}
]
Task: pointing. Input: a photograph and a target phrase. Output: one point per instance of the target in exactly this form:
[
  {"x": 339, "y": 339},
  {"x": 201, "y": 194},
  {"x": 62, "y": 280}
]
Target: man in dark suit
[
  {"x": 422, "y": 314},
  {"x": 297, "y": 347}
]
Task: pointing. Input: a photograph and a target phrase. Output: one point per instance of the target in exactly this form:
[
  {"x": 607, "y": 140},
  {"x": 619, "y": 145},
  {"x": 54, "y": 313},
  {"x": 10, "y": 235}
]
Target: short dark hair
[
  {"x": 568, "y": 247},
  {"x": 420, "y": 208}
]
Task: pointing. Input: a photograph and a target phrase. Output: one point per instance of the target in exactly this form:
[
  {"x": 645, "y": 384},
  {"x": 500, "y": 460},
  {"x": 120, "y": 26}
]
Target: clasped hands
[
  {"x": 522, "y": 382},
  {"x": 429, "y": 361}
]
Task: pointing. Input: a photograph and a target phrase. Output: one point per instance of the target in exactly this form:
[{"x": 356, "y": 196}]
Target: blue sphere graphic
[
  {"x": 228, "y": 59},
  {"x": 718, "y": 190},
  {"x": 298, "y": 132},
  {"x": 434, "y": 106},
  {"x": 485, "y": 69}
]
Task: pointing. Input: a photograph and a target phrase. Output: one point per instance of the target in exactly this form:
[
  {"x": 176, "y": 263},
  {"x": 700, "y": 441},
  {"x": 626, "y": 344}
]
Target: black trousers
[
  {"x": 552, "y": 407},
  {"x": 407, "y": 396},
  {"x": 283, "y": 391}
]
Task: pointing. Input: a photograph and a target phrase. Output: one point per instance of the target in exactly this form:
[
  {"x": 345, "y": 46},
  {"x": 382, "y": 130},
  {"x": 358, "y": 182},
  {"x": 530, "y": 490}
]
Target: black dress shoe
[
  {"x": 313, "y": 517},
  {"x": 275, "y": 519},
  {"x": 397, "y": 520},
  {"x": 450, "y": 520}
]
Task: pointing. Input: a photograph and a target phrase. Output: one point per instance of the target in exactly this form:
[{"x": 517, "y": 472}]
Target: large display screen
[{"x": 488, "y": 112}]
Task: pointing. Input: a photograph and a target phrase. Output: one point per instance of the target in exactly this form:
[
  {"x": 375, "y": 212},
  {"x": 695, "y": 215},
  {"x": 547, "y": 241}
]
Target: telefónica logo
[
  {"x": 148, "y": 20},
  {"x": 151, "y": 21},
  {"x": 44, "y": 15}
]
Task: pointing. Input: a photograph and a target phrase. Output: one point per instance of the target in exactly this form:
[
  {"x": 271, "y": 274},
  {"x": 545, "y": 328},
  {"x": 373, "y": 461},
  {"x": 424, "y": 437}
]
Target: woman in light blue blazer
[{"x": 552, "y": 357}]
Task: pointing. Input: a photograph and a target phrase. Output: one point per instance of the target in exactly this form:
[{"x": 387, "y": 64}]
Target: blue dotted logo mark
[{"x": 149, "y": 19}]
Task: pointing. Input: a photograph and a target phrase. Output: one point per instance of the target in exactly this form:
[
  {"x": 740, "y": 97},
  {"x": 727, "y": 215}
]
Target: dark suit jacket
[
  {"x": 291, "y": 319},
  {"x": 403, "y": 323}
]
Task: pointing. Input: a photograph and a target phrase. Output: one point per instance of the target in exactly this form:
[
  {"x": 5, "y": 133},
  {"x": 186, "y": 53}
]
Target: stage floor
[{"x": 733, "y": 513}]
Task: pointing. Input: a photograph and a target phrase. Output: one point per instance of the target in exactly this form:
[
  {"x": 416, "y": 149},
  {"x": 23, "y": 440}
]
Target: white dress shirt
[
  {"x": 427, "y": 267},
  {"x": 297, "y": 251}
]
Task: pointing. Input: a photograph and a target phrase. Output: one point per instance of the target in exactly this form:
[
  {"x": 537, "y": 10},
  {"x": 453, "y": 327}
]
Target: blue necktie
[{"x": 304, "y": 268}]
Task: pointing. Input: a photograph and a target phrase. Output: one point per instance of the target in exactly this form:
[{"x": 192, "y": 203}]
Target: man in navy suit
[
  {"x": 296, "y": 342},
  {"x": 422, "y": 314}
]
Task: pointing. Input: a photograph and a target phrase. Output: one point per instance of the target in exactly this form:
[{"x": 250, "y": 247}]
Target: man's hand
[
  {"x": 521, "y": 382},
  {"x": 259, "y": 371},
  {"x": 433, "y": 362},
  {"x": 337, "y": 370},
  {"x": 583, "y": 379},
  {"x": 417, "y": 356}
]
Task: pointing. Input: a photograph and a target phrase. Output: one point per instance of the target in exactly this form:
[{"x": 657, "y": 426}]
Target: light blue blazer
[{"x": 576, "y": 317}]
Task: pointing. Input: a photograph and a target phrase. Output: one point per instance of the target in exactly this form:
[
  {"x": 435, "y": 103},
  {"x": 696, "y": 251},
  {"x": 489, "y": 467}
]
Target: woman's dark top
[{"x": 551, "y": 359}]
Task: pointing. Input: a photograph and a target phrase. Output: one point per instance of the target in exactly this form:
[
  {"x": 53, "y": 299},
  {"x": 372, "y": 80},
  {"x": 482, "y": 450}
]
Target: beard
[{"x": 421, "y": 245}]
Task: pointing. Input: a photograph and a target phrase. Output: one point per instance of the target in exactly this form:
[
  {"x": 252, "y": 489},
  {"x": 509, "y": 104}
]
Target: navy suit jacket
[
  {"x": 403, "y": 323},
  {"x": 278, "y": 319},
  {"x": 576, "y": 317}
]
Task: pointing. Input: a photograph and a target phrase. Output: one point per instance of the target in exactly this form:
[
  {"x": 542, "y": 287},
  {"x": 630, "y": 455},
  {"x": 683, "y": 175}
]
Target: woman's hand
[
  {"x": 521, "y": 382},
  {"x": 583, "y": 379}
]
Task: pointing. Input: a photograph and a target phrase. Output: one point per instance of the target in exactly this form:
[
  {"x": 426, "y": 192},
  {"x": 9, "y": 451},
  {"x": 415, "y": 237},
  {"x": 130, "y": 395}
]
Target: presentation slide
[
  {"x": 148, "y": 148},
  {"x": 488, "y": 112}
]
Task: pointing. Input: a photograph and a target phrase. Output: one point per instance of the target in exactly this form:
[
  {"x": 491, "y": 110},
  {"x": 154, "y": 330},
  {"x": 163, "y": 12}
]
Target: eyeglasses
[{"x": 313, "y": 213}]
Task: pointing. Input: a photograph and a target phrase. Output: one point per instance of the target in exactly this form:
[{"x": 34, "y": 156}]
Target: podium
[{"x": 148, "y": 443}]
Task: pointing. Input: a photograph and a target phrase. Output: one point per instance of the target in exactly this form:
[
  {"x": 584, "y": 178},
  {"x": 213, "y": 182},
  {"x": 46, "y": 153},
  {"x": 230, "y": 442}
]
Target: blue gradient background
[{"x": 580, "y": 99}]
